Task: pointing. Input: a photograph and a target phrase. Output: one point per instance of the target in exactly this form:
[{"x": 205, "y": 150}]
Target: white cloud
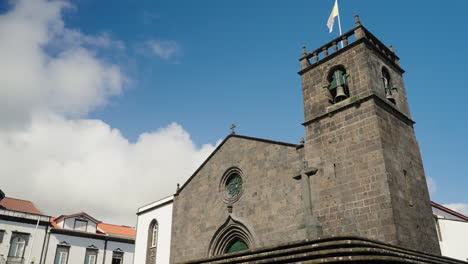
[
  {"x": 458, "y": 207},
  {"x": 72, "y": 165},
  {"x": 51, "y": 154},
  {"x": 166, "y": 49},
  {"x": 431, "y": 184},
  {"x": 71, "y": 80}
]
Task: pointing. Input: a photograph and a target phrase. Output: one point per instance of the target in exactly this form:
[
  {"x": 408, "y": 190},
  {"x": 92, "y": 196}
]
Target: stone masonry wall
[
  {"x": 353, "y": 197},
  {"x": 410, "y": 196},
  {"x": 270, "y": 205}
]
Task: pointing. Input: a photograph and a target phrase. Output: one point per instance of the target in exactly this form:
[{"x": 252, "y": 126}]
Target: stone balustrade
[{"x": 358, "y": 33}]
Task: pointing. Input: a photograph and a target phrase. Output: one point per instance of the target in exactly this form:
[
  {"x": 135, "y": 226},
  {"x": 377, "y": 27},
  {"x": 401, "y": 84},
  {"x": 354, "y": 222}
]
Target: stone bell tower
[{"x": 370, "y": 180}]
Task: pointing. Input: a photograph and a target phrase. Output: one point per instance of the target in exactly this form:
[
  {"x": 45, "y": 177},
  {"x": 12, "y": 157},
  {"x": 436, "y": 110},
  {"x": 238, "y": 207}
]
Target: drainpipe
[
  {"x": 34, "y": 237},
  {"x": 105, "y": 250},
  {"x": 43, "y": 243},
  {"x": 46, "y": 249}
]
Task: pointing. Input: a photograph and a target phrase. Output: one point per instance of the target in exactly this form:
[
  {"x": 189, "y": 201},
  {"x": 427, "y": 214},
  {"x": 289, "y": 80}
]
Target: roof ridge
[
  {"x": 6, "y": 197},
  {"x": 264, "y": 140},
  {"x": 114, "y": 225}
]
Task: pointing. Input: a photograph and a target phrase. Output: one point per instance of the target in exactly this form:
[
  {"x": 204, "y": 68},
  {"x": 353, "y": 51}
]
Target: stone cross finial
[
  {"x": 357, "y": 20},
  {"x": 232, "y": 129}
]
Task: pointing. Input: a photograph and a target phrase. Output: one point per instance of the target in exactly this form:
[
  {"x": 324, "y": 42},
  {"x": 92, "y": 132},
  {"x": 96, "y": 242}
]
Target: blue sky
[
  {"x": 207, "y": 64},
  {"x": 239, "y": 66}
]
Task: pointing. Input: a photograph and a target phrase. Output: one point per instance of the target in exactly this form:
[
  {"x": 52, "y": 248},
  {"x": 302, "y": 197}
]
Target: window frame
[
  {"x": 91, "y": 252},
  {"x": 57, "y": 251},
  {"x": 154, "y": 234},
  {"x": 117, "y": 255},
  {"x": 80, "y": 220},
  {"x": 12, "y": 244},
  {"x": 152, "y": 241}
]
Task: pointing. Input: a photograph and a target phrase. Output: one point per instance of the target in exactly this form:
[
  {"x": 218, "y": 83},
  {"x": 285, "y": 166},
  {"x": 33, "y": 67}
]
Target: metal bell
[
  {"x": 389, "y": 96},
  {"x": 340, "y": 94}
]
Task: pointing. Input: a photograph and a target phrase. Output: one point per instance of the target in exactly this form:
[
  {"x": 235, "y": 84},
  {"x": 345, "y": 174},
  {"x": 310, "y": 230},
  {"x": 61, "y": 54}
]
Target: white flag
[{"x": 331, "y": 19}]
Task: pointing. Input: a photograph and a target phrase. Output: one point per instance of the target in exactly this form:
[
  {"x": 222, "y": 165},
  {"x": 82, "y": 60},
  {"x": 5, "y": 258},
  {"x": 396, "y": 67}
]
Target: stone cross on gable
[{"x": 232, "y": 129}]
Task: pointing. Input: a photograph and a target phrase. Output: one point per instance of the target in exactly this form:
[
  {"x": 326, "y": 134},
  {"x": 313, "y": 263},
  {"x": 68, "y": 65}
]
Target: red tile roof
[
  {"x": 107, "y": 229},
  {"x": 19, "y": 205},
  {"x": 53, "y": 223},
  {"x": 118, "y": 230}
]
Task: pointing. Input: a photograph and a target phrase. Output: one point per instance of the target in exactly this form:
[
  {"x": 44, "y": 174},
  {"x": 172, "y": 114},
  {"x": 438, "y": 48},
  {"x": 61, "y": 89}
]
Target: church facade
[
  {"x": 359, "y": 171},
  {"x": 355, "y": 184}
]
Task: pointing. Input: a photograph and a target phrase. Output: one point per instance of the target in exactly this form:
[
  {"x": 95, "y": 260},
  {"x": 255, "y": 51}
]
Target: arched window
[
  {"x": 338, "y": 84},
  {"x": 152, "y": 242},
  {"x": 154, "y": 235},
  {"x": 17, "y": 247},
  {"x": 387, "y": 85}
]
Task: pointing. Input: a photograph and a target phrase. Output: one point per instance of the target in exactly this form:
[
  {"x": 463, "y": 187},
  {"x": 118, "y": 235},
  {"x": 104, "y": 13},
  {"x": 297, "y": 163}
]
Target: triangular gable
[
  {"x": 78, "y": 215},
  {"x": 223, "y": 142}
]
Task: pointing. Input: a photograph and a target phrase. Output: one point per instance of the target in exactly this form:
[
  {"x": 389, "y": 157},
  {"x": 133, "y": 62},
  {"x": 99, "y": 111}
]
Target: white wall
[
  {"x": 35, "y": 240},
  {"x": 453, "y": 238},
  {"x": 78, "y": 247},
  {"x": 128, "y": 250},
  {"x": 162, "y": 212}
]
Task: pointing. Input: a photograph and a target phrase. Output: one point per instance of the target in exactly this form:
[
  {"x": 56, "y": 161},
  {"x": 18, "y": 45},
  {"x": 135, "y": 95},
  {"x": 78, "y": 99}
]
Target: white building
[
  {"x": 153, "y": 239},
  {"x": 23, "y": 230},
  {"x": 452, "y": 229},
  {"x": 81, "y": 239},
  {"x": 28, "y": 236}
]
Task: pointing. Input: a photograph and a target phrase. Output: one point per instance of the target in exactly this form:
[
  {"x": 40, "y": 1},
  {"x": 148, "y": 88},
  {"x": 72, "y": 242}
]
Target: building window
[
  {"x": 2, "y": 233},
  {"x": 17, "y": 246},
  {"x": 232, "y": 183},
  {"x": 91, "y": 256},
  {"x": 61, "y": 255},
  {"x": 152, "y": 242},
  {"x": 117, "y": 257},
  {"x": 154, "y": 235},
  {"x": 338, "y": 84},
  {"x": 80, "y": 225}
]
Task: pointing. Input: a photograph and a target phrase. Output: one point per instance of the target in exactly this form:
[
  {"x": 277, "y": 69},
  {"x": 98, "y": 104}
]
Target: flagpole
[{"x": 339, "y": 24}]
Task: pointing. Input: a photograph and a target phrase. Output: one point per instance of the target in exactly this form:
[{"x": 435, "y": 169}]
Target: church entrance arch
[{"x": 232, "y": 236}]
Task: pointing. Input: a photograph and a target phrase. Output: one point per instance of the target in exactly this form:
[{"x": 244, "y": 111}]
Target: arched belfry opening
[
  {"x": 232, "y": 236},
  {"x": 338, "y": 84},
  {"x": 387, "y": 85}
]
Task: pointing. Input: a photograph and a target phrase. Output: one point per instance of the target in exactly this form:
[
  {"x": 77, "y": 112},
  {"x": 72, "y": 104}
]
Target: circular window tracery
[{"x": 232, "y": 185}]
